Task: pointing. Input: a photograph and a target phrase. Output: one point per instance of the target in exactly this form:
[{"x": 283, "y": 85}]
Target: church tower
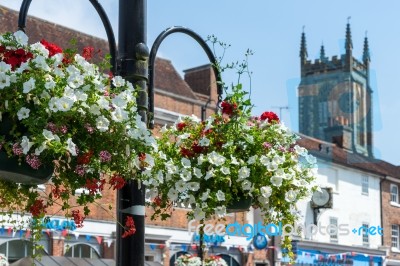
[{"x": 335, "y": 97}]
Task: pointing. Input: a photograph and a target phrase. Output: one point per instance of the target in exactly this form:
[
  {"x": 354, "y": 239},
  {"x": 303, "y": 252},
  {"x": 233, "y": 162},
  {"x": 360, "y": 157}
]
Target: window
[
  {"x": 364, "y": 185},
  {"x": 394, "y": 193},
  {"x": 82, "y": 251},
  {"x": 17, "y": 249},
  {"x": 333, "y": 229},
  {"x": 365, "y": 234},
  {"x": 395, "y": 236}
]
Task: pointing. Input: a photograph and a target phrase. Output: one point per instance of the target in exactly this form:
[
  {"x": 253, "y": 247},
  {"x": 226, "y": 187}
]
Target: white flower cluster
[
  {"x": 241, "y": 163},
  {"x": 76, "y": 90}
]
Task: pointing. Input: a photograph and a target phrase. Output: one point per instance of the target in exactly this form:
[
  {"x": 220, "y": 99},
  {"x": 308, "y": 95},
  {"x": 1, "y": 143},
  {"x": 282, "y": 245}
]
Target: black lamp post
[{"x": 134, "y": 63}]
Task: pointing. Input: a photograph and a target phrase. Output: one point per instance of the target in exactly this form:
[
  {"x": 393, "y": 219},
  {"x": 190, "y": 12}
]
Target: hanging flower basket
[
  {"x": 240, "y": 204},
  {"x": 229, "y": 162},
  {"x": 62, "y": 117},
  {"x": 190, "y": 260},
  {"x": 12, "y": 168}
]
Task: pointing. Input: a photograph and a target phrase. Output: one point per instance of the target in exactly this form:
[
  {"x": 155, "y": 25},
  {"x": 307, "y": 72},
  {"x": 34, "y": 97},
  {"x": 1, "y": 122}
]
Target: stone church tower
[{"x": 335, "y": 98}]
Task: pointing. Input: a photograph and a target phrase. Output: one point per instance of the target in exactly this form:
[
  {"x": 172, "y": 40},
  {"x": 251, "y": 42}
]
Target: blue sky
[{"x": 272, "y": 30}]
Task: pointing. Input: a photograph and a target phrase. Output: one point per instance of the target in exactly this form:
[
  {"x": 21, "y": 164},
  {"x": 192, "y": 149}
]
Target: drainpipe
[{"x": 381, "y": 205}]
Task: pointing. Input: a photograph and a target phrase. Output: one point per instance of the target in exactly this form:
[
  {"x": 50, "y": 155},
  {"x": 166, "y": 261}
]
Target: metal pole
[{"x": 132, "y": 61}]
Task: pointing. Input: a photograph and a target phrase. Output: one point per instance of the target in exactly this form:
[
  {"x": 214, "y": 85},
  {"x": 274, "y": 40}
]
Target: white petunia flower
[
  {"x": 21, "y": 37},
  {"x": 94, "y": 109},
  {"x": 244, "y": 172},
  {"x": 290, "y": 195},
  {"x": 252, "y": 159},
  {"x": 266, "y": 191},
  {"x": 48, "y": 134},
  {"x": 220, "y": 211},
  {"x": 220, "y": 195},
  {"x": 246, "y": 185},
  {"x": 204, "y": 142},
  {"x": 40, "y": 62},
  {"x": 28, "y": 85},
  {"x": 225, "y": 170},
  {"x": 186, "y": 175},
  {"x": 276, "y": 180},
  {"x": 205, "y": 195},
  {"x": 199, "y": 214},
  {"x": 193, "y": 186},
  {"x": 181, "y": 185},
  {"x": 172, "y": 194},
  {"x": 4, "y": 80},
  {"x": 264, "y": 160},
  {"x": 64, "y": 104},
  {"x": 50, "y": 84},
  {"x": 118, "y": 81},
  {"x": 185, "y": 163},
  {"x": 201, "y": 159},
  {"x": 216, "y": 158},
  {"x": 71, "y": 147},
  {"x": 234, "y": 160},
  {"x": 119, "y": 115},
  {"x": 23, "y": 113},
  {"x": 209, "y": 174},
  {"x": 26, "y": 144},
  {"x": 4, "y": 67},
  {"x": 102, "y": 123},
  {"x": 197, "y": 172}
]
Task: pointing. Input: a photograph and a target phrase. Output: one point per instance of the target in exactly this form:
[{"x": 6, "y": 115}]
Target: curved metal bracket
[
  {"x": 23, "y": 13},
  {"x": 152, "y": 58}
]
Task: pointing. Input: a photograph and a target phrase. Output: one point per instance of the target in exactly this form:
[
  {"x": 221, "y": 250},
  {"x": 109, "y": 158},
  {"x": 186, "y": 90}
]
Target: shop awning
[{"x": 57, "y": 261}]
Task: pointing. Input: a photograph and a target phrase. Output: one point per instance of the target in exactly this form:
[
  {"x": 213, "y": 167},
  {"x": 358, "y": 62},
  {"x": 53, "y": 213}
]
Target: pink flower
[
  {"x": 105, "y": 156},
  {"x": 33, "y": 161},
  {"x": 17, "y": 150},
  {"x": 80, "y": 170}
]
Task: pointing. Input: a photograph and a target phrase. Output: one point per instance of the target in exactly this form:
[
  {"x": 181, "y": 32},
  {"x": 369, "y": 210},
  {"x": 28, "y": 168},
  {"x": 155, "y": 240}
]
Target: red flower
[
  {"x": 142, "y": 157},
  {"x": 88, "y": 52},
  {"x": 117, "y": 182},
  {"x": 196, "y": 148},
  {"x": 186, "y": 152},
  {"x": 180, "y": 126},
  {"x": 95, "y": 185},
  {"x": 85, "y": 158},
  {"x": 130, "y": 228},
  {"x": 228, "y": 108},
  {"x": 271, "y": 116},
  {"x": 16, "y": 57},
  {"x": 157, "y": 200},
  {"x": 78, "y": 218},
  {"x": 37, "y": 208},
  {"x": 53, "y": 48}
]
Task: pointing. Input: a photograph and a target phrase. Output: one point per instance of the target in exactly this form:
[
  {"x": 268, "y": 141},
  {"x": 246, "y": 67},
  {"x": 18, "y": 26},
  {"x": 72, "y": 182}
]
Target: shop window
[
  {"x": 18, "y": 249},
  {"x": 82, "y": 251},
  {"x": 364, "y": 185}
]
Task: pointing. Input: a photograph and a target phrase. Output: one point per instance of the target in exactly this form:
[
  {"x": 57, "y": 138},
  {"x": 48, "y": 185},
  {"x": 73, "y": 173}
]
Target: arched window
[
  {"x": 81, "y": 251},
  {"x": 175, "y": 256},
  {"x": 229, "y": 260},
  {"x": 18, "y": 249}
]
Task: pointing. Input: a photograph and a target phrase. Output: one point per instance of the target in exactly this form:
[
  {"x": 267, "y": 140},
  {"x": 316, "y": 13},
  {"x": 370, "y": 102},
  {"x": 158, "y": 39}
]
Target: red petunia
[
  {"x": 196, "y": 148},
  {"x": 186, "y": 152},
  {"x": 85, "y": 158},
  {"x": 271, "y": 116},
  {"x": 180, "y": 126},
  {"x": 228, "y": 108},
  {"x": 53, "y": 48}
]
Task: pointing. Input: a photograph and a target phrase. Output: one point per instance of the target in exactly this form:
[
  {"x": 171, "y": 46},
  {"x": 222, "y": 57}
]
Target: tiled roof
[
  {"x": 335, "y": 154},
  {"x": 166, "y": 76}
]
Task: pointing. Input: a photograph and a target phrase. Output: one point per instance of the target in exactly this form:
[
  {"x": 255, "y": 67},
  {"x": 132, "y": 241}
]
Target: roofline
[{"x": 198, "y": 68}]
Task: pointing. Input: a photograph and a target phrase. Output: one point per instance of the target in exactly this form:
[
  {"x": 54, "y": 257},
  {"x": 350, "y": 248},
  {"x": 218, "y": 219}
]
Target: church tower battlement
[{"x": 335, "y": 97}]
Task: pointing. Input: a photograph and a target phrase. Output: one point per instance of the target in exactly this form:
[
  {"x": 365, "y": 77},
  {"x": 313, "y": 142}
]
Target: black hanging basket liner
[
  {"x": 241, "y": 204},
  {"x": 10, "y": 167}
]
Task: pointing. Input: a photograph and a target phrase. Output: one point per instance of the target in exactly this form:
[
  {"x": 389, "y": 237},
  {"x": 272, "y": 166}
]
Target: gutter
[{"x": 381, "y": 205}]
